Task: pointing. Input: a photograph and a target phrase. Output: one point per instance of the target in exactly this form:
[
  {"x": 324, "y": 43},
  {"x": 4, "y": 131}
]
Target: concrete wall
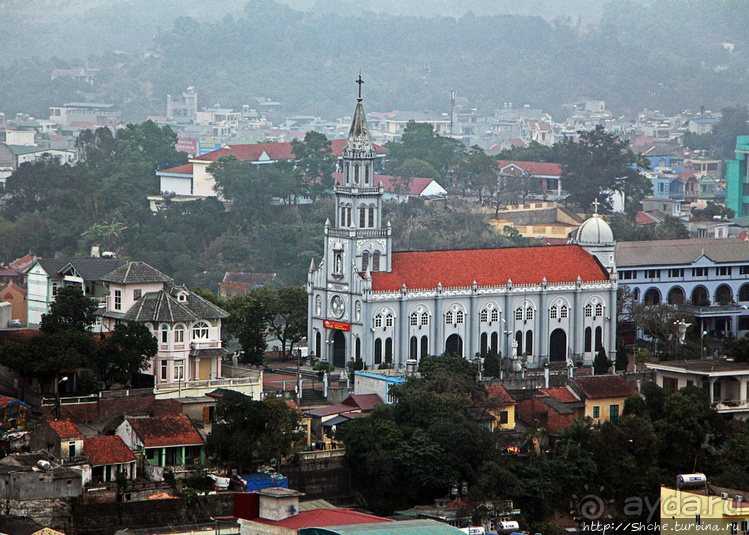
[{"x": 321, "y": 475}]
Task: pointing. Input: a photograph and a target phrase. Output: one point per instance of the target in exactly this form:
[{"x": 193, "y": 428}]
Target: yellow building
[
  {"x": 706, "y": 509},
  {"x": 501, "y": 405},
  {"x": 603, "y": 396}
]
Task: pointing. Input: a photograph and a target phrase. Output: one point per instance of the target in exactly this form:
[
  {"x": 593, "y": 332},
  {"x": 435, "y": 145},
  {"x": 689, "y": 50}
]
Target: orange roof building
[{"x": 533, "y": 304}]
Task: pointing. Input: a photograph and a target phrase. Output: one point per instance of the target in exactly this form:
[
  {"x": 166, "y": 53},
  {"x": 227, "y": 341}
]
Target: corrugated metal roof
[
  {"x": 405, "y": 527},
  {"x": 680, "y": 252}
]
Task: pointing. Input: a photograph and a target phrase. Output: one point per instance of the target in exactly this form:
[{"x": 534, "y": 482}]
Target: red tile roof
[
  {"x": 322, "y": 518},
  {"x": 65, "y": 429},
  {"x": 498, "y": 393},
  {"x": 561, "y": 393},
  {"x": 181, "y": 170},
  {"x": 365, "y": 402},
  {"x": 489, "y": 267},
  {"x": 166, "y": 431},
  {"x": 416, "y": 185},
  {"x": 532, "y": 168},
  {"x": 605, "y": 386},
  {"x": 275, "y": 151},
  {"x": 107, "y": 450},
  {"x": 4, "y": 400}
]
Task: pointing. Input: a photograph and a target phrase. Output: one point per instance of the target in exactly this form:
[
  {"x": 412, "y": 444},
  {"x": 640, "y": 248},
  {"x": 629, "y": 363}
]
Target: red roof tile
[
  {"x": 181, "y": 170},
  {"x": 65, "y": 429},
  {"x": 561, "y": 393},
  {"x": 4, "y": 400},
  {"x": 166, "y": 431},
  {"x": 107, "y": 450},
  {"x": 498, "y": 393},
  {"x": 322, "y": 518},
  {"x": 416, "y": 185},
  {"x": 532, "y": 168},
  {"x": 275, "y": 151},
  {"x": 489, "y": 267},
  {"x": 605, "y": 386}
]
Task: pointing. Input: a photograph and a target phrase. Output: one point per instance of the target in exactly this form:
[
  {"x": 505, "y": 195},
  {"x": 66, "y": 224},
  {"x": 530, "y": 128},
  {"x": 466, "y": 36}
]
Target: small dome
[{"x": 594, "y": 231}]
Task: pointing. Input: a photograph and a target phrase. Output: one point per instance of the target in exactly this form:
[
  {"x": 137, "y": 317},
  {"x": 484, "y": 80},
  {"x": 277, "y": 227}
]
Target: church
[{"x": 532, "y": 304}]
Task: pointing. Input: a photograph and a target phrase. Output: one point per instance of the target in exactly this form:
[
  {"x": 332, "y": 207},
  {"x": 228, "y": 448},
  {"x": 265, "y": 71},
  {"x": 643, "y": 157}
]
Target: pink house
[{"x": 187, "y": 327}]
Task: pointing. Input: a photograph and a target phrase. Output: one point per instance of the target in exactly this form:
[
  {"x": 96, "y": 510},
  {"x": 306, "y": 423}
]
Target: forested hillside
[{"x": 664, "y": 54}]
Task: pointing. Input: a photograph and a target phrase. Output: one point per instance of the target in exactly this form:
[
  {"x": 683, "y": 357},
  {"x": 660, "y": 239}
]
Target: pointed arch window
[
  {"x": 371, "y": 216},
  {"x": 389, "y": 320},
  {"x": 378, "y": 320},
  {"x": 459, "y": 316},
  {"x": 553, "y": 312},
  {"x": 599, "y": 310},
  {"x": 529, "y": 313},
  {"x": 495, "y": 315},
  {"x": 364, "y": 261},
  {"x": 588, "y": 310},
  {"x": 424, "y": 318},
  {"x": 484, "y": 316},
  {"x": 366, "y": 174},
  {"x": 414, "y": 319},
  {"x": 449, "y": 317},
  {"x": 356, "y": 174},
  {"x": 563, "y": 312},
  {"x": 376, "y": 261},
  {"x": 519, "y": 314},
  {"x": 362, "y": 216},
  {"x": 343, "y": 216}
]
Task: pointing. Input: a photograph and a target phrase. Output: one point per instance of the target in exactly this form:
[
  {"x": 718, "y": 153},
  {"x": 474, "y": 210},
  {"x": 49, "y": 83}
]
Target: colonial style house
[
  {"x": 108, "y": 456},
  {"x": 187, "y": 327},
  {"x": 534, "y": 304}
]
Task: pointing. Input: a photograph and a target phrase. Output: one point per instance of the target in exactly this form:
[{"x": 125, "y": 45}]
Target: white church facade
[{"x": 536, "y": 304}]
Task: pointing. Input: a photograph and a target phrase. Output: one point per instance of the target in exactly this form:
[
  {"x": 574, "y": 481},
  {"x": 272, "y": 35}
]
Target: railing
[
  {"x": 322, "y": 454},
  {"x": 210, "y": 383},
  {"x": 365, "y": 233},
  {"x": 76, "y": 400},
  {"x": 78, "y": 459},
  {"x": 211, "y": 344}
]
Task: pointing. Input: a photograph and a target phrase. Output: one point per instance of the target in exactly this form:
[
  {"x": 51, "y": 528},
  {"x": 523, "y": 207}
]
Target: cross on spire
[
  {"x": 595, "y": 204},
  {"x": 360, "y": 82}
]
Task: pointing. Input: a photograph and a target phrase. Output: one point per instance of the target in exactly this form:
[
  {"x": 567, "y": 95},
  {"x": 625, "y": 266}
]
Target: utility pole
[{"x": 453, "y": 94}]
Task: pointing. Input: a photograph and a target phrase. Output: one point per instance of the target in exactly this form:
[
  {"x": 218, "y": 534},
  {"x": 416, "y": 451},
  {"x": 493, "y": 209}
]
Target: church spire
[{"x": 359, "y": 145}]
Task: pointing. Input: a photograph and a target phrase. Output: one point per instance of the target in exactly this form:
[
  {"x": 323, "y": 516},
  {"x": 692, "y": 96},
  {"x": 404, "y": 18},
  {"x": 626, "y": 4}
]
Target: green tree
[
  {"x": 478, "y": 172},
  {"x": 413, "y": 167},
  {"x": 534, "y": 152},
  {"x": 247, "y": 323},
  {"x": 125, "y": 351},
  {"x": 671, "y": 229},
  {"x": 286, "y": 314},
  {"x": 314, "y": 163},
  {"x": 622, "y": 360},
  {"x": 711, "y": 211},
  {"x": 420, "y": 141},
  {"x": 70, "y": 311},
  {"x": 492, "y": 364},
  {"x": 250, "y": 432},
  {"x": 598, "y": 164},
  {"x": 601, "y": 363}
]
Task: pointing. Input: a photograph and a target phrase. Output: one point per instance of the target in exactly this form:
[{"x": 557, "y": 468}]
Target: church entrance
[
  {"x": 558, "y": 346},
  {"x": 339, "y": 350},
  {"x": 454, "y": 345}
]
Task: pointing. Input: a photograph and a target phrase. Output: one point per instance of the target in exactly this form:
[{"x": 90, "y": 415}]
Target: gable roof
[
  {"x": 561, "y": 393},
  {"x": 604, "y": 386},
  {"x": 500, "y": 394},
  {"x": 136, "y": 272},
  {"x": 489, "y": 267},
  {"x": 166, "y": 431},
  {"x": 107, "y": 450},
  {"x": 65, "y": 429},
  {"x": 92, "y": 269},
  {"x": 532, "y": 168},
  {"x": 675, "y": 252},
  {"x": 179, "y": 170},
  {"x": 365, "y": 402},
  {"x": 247, "y": 278}
]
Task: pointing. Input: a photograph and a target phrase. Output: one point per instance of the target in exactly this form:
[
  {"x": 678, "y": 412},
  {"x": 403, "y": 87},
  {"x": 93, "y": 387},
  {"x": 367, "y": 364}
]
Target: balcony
[
  {"x": 250, "y": 386},
  {"x": 205, "y": 344}
]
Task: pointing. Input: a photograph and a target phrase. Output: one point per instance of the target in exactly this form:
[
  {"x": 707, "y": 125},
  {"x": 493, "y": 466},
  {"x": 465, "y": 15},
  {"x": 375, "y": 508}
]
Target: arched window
[
  {"x": 338, "y": 263},
  {"x": 413, "y": 348},
  {"x": 358, "y": 348},
  {"x": 459, "y": 316},
  {"x": 378, "y": 320},
  {"x": 723, "y": 295},
  {"x": 449, "y": 318},
  {"x": 179, "y": 334},
  {"x": 343, "y": 216},
  {"x": 389, "y": 320},
  {"x": 378, "y": 351},
  {"x": 362, "y": 216},
  {"x": 414, "y": 319},
  {"x": 318, "y": 344},
  {"x": 519, "y": 314},
  {"x": 519, "y": 341},
  {"x": 529, "y": 342},
  {"x": 744, "y": 293},
  {"x": 599, "y": 310},
  {"x": 364, "y": 261},
  {"x": 553, "y": 312},
  {"x": 563, "y": 311},
  {"x": 495, "y": 343},
  {"x": 424, "y": 346},
  {"x": 676, "y": 296},
  {"x": 366, "y": 173},
  {"x": 424, "y": 318},
  {"x": 356, "y": 174},
  {"x": 588, "y": 340},
  {"x": 588, "y": 310},
  {"x": 599, "y": 338},
  {"x": 636, "y": 295},
  {"x": 484, "y": 316},
  {"x": 348, "y": 216},
  {"x": 529, "y": 313},
  {"x": 371, "y": 216},
  {"x": 652, "y": 297},
  {"x": 484, "y": 344},
  {"x": 200, "y": 331},
  {"x": 164, "y": 334},
  {"x": 700, "y": 297},
  {"x": 376, "y": 261},
  {"x": 495, "y": 315}
]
